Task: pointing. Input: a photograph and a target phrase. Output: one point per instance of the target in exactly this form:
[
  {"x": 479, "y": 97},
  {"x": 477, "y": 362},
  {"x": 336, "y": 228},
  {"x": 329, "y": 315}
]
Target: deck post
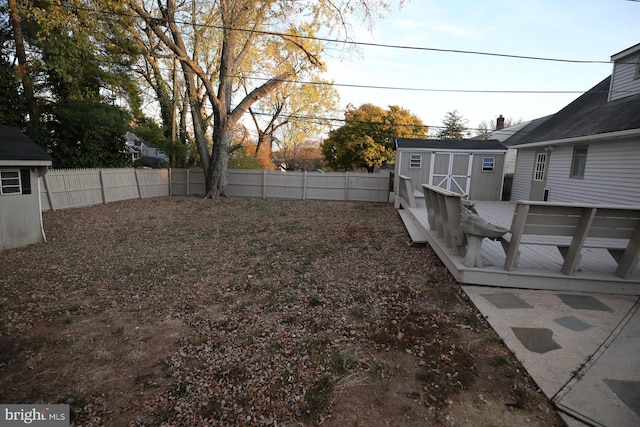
[
  {"x": 517, "y": 227},
  {"x": 572, "y": 254},
  {"x": 629, "y": 259}
]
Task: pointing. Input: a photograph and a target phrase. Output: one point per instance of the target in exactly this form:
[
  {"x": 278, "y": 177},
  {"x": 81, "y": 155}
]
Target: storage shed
[
  {"x": 22, "y": 162},
  {"x": 471, "y": 167}
]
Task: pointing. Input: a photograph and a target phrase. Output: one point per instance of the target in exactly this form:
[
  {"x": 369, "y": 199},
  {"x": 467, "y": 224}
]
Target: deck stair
[{"x": 416, "y": 232}]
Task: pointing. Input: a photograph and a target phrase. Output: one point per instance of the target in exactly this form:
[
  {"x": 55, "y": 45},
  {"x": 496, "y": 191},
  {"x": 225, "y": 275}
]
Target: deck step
[{"x": 414, "y": 232}]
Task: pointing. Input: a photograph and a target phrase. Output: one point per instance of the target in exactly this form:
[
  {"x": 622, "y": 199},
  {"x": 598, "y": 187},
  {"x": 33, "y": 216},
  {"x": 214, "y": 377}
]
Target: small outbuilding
[
  {"x": 473, "y": 168},
  {"x": 22, "y": 162}
]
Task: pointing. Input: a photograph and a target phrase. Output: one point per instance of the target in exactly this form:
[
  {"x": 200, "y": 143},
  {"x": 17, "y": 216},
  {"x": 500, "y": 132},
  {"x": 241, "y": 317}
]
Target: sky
[{"x": 588, "y": 30}]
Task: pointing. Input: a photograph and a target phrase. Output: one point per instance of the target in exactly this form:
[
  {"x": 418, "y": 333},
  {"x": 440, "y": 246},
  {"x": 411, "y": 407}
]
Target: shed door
[{"x": 451, "y": 171}]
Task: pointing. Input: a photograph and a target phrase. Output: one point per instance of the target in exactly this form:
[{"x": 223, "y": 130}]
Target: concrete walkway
[{"x": 583, "y": 350}]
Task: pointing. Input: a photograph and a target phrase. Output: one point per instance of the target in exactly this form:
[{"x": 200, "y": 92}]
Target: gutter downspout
[{"x": 44, "y": 237}]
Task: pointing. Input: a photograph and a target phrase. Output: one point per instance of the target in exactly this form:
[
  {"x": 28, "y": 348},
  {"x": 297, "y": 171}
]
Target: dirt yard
[{"x": 187, "y": 312}]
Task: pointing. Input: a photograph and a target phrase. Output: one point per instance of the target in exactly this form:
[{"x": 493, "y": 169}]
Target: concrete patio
[{"x": 581, "y": 349}]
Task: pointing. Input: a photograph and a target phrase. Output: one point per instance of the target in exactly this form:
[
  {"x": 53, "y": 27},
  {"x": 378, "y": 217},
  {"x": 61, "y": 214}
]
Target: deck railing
[
  {"x": 572, "y": 227},
  {"x": 405, "y": 198},
  {"x": 443, "y": 212}
]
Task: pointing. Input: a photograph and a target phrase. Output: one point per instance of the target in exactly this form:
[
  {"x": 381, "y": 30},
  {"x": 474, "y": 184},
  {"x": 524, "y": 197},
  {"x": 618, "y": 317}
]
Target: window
[
  {"x": 541, "y": 163},
  {"x": 488, "y": 164},
  {"x": 579, "y": 162},
  {"x": 415, "y": 161},
  {"x": 10, "y": 182},
  {"x": 637, "y": 73}
]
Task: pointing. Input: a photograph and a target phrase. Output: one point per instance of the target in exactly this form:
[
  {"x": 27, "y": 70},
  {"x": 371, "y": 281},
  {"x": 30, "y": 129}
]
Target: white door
[
  {"x": 539, "y": 178},
  {"x": 451, "y": 171}
]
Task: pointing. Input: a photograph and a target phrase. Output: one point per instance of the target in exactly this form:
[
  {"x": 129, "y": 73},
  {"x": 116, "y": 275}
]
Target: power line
[
  {"x": 320, "y": 120},
  {"x": 414, "y": 89},
  {"x": 358, "y": 86},
  {"x": 345, "y": 42}
]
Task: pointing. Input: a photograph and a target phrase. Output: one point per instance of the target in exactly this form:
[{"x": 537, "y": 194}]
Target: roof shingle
[
  {"x": 590, "y": 114},
  {"x": 15, "y": 145}
]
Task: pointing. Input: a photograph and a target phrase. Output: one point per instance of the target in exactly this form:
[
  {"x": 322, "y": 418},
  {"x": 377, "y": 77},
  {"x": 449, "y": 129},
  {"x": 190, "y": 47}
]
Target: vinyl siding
[
  {"x": 486, "y": 185},
  {"x": 521, "y": 186},
  {"x": 612, "y": 174},
  {"x": 418, "y": 176},
  {"x": 483, "y": 186},
  {"x": 623, "y": 82}
]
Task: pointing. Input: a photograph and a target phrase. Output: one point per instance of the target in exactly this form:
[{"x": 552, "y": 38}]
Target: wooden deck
[{"x": 538, "y": 266}]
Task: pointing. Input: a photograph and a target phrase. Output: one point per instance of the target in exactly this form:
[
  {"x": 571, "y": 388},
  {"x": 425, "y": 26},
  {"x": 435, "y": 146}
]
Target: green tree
[
  {"x": 240, "y": 159},
  {"x": 239, "y": 28},
  {"x": 366, "y": 140},
  {"x": 95, "y": 138},
  {"x": 454, "y": 126},
  {"x": 12, "y": 107},
  {"x": 70, "y": 54}
]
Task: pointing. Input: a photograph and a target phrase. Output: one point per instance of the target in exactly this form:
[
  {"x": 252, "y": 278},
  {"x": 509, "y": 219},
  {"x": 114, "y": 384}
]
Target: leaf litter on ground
[{"x": 182, "y": 311}]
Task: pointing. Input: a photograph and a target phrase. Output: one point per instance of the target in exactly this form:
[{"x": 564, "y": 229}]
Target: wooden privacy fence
[{"x": 70, "y": 188}]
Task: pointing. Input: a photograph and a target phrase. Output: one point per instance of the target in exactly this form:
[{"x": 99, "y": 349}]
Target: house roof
[
  {"x": 16, "y": 146},
  {"x": 450, "y": 144},
  {"x": 501, "y": 134},
  {"x": 590, "y": 114},
  {"x": 629, "y": 51}
]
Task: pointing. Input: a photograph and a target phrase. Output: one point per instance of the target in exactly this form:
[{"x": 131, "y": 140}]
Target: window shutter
[{"x": 25, "y": 177}]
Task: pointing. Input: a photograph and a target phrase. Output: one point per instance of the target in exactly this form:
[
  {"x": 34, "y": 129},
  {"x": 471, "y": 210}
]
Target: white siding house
[
  {"x": 588, "y": 152},
  {"x": 625, "y": 79}
]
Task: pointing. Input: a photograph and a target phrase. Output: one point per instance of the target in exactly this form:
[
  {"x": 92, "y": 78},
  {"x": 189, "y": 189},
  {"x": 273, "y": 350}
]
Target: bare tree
[{"x": 237, "y": 26}]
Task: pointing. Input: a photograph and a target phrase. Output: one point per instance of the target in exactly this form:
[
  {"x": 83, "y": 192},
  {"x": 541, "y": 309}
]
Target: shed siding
[
  {"x": 418, "y": 176},
  {"x": 623, "y": 81},
  {"x": 521, "y": 186},
  {"x": 486, "y": 185}
]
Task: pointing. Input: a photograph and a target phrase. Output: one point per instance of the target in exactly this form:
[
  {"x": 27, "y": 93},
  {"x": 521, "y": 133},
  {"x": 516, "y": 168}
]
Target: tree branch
[{"x": 259, "y": 93}]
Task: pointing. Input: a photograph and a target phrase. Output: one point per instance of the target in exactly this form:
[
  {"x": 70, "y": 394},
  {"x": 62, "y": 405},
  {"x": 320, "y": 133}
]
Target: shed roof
[
  {"x": 590, "y": 114},
  {"x": 16, "y": 146},
  {"x": 450, "y": 144}
]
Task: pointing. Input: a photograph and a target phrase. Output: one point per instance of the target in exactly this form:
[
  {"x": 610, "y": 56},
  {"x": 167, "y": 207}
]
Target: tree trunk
[
  {"x": 23, "y": 66},
  {"x": 218, "y": 169}
]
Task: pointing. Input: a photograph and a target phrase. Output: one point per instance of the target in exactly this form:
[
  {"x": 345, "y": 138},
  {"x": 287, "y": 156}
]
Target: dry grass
[{"x": 181, "y": 311}]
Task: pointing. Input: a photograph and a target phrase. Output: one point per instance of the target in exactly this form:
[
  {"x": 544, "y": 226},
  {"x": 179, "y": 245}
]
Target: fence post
[
  {"x": 188, "y": 183},
  {"x": 170, "y": 177},
  {"x": 104, "y": 194},
  {"x": 304, "y": 186},
  {"x": 264, "y": 184},
  {"x": 138, "y": 183},
  {"x": 346, "y": 185},
  {"x": 46, "y": 187}
]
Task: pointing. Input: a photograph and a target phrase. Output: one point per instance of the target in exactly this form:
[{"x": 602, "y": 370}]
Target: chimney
[{"x": 500, "y": 123}]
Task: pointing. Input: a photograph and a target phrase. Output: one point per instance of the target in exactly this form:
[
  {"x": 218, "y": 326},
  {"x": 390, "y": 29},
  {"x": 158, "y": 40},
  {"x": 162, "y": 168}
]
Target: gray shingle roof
[
  {"x": 15, "y": 145},
  {"x": 450, "y": 144},
  {"x": 590, "y": 114}
]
